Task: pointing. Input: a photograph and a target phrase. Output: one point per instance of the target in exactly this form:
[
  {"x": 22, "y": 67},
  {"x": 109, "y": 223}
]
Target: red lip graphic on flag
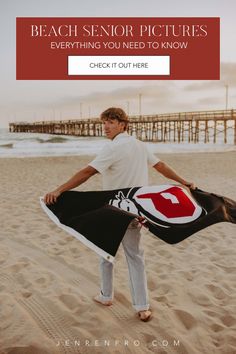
[{"x": 172, "y": 202}]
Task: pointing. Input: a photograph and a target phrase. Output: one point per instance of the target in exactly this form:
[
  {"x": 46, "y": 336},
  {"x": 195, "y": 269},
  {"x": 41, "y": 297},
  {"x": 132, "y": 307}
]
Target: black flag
[{"x": 170, "y": 212}]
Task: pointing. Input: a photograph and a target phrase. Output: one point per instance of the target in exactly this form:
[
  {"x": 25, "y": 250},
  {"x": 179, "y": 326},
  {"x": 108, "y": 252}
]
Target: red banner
[{"x": 118, "y": 48}]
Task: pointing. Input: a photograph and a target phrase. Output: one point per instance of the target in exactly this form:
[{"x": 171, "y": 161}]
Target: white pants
[{"x": 137, "y": 276}]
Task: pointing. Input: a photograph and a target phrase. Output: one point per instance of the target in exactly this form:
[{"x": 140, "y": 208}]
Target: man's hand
[
  {"x": 190, "y": 185},
  {"x": 51, "y": 197},
  {"x": 168, "y": 172},
  {"x": 75, "y": 181},
  {"x": 142, "y": 221}
]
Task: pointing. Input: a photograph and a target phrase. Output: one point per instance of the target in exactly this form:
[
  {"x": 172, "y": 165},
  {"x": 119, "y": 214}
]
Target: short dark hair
[{"x": 115, "y": 113}]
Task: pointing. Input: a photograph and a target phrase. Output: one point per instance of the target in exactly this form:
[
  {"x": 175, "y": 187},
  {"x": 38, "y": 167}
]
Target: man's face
[{"x": 113, "y": 127}]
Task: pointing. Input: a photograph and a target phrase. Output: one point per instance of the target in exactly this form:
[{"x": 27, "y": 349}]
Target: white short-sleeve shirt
[{"x": 123, "y": 162}]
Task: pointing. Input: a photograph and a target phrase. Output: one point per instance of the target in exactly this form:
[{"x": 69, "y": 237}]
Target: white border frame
[{"x": 76, "y": 234}]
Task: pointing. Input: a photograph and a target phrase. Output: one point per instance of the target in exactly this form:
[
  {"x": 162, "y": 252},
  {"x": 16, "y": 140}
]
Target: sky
[{"x": 47, "y": 100}]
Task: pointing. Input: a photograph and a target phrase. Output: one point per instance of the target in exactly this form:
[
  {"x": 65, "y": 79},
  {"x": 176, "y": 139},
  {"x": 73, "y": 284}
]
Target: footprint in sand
[
  {"x": 162, "y": 299},
  {"x": 70, "y": 301},
  {"x": 19, "y": 266},
  {"x": 15, "y": 226},
  {"x": 217, "y": 327},
  {"x": 152, "y": 285},
  {"x": 187, "y": 275},
  {"x": 26, "y": 294},
  {"x": 217, "y": 292},
  {"x": 164, "y": 288},
  {"x": 228, "y": 320},
  {"x": 44, "y": 236},
  {"x": 186, "y": 318},
  {"x": 211, "y": 313},
  {"x": 199, "y": 298},
  {"x": 4, "y": 254},
  {"x": 44, "y": 280}
]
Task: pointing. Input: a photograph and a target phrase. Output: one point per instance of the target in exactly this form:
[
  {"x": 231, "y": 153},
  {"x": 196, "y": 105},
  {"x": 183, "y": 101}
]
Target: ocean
[{"x": 34, "y": 144}]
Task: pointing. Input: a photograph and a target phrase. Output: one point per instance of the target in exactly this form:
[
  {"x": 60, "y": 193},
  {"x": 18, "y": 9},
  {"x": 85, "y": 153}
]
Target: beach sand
[{"x": 48, "y": 278}]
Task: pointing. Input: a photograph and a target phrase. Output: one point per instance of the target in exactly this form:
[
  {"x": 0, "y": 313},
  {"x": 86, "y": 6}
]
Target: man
[{"x": 123, "y": 163}]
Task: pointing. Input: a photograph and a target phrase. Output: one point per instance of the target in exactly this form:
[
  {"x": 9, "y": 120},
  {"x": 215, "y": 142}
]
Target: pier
[{"x": 194, "y": 127}]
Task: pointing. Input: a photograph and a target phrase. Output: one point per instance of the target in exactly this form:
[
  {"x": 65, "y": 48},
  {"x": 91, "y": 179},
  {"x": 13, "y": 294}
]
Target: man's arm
[
  {"x": 76, "y": 180},
  {"x": 168, "y": 172}
]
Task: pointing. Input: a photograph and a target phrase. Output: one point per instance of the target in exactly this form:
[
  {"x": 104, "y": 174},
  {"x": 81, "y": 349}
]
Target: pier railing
[{"x": 205, "y": 126}]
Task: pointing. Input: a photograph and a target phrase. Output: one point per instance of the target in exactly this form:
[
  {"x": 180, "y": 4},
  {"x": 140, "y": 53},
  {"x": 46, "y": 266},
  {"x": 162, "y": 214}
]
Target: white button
[{"x": 119, "y": 65}]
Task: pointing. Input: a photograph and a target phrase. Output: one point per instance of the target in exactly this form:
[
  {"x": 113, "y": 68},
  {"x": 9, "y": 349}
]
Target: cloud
[
  {"x": 149, "y": 92},
  {"x": 203, "y": 85},
  {"x": 210, "y": 101},
  {"x": 228, "y": 77}
]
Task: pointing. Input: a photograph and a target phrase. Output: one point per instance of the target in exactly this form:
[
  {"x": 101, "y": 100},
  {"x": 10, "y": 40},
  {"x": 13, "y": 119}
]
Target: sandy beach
[{"x": 48, "y": 278}]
